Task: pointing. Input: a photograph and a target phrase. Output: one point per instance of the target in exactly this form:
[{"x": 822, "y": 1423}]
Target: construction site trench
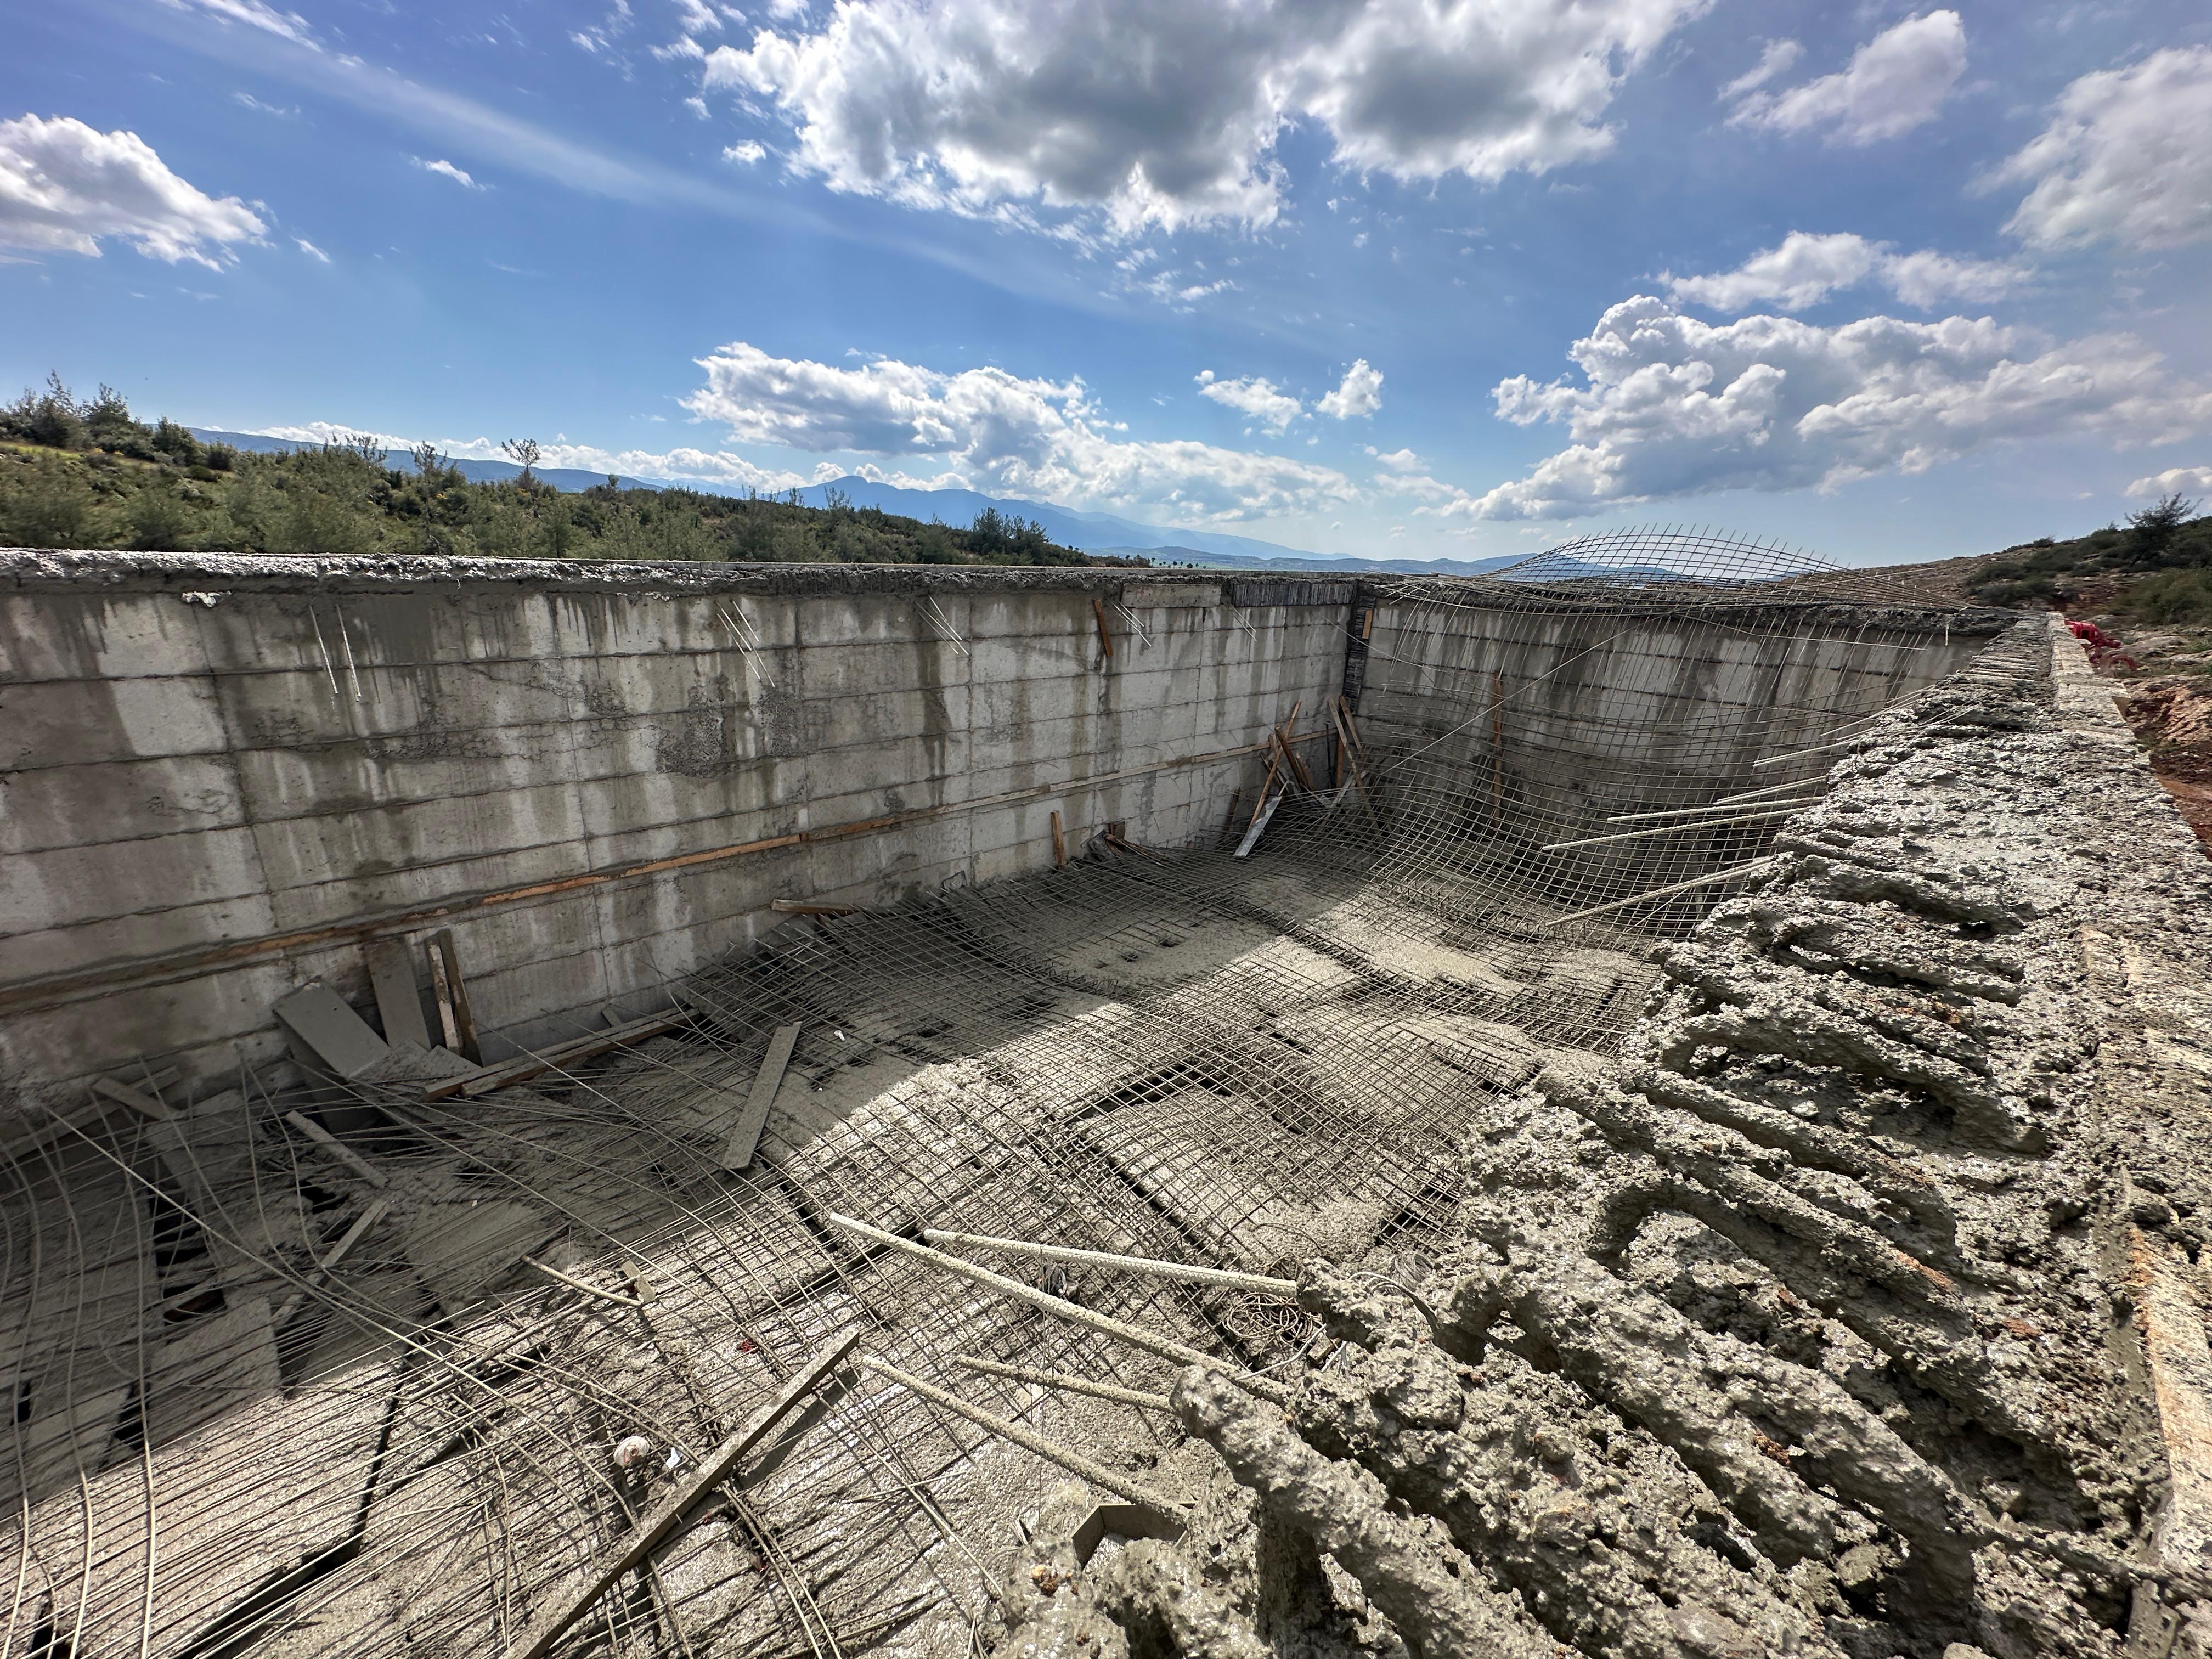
[{"x": 1656, "y": 1107}]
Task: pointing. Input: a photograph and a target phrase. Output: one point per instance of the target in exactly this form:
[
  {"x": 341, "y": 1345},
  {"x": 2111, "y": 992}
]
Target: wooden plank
[
  {"x": 377, "y": 1209},
  {"x": 1028, "y": 1440},
  {"x": 1351, "y": 726},
  {"x": 1059, "y": 844},
  {"x": 1074, "y": 1312},
  {"x": 745, "y": 1133},
  {"x": 1105, "y": 639},
  {"x": 337, "y": 1149},
  {"x": 1347, "y": 749},
  {"x": 449, "y": 1029},
  {"x": 1259, "y": 823},
  {"x": 457, "y": 993},
  {"x": 801, "y": 908},
  {"x": 331, "y": 1030},
  {"x": 1266, "y": 786},
  {"x": 123, "y": 1095},
  {"x": 660, "y": 1521},
  {"x": 399, "y": 1005},
  {"x": 485, "y": 1078}
]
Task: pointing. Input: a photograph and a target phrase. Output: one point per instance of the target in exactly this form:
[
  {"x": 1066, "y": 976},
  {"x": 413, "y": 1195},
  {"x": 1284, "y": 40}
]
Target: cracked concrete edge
[
  {"x": 2155, "y": 991},
  {"x": 32, "y": 570}
]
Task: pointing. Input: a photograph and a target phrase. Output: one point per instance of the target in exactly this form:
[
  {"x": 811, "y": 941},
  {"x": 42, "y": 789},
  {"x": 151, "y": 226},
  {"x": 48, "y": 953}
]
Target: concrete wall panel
[{"x": 328, "y": 746}]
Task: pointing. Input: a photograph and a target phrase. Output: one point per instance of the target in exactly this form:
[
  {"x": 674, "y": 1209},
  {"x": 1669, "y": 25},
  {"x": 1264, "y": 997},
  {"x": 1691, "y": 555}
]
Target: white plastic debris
[
  {"x": 211, "y": 600},
  {"x": 631, "y": 1451},
  {"x": 675, "y": 1457}
]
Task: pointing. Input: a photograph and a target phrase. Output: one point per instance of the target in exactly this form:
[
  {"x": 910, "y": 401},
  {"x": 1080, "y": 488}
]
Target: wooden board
[
  {"x": 330, "y": 1030},
  {"x": 459, "y": 1025},
  {"x": 658, "y": 1523},
  {"x": 399, "y": 1004},
  {"x": 745, "y": 1133},
  {"x": 1259, "y": 823},
  {"x": 508, "y": 1072}
]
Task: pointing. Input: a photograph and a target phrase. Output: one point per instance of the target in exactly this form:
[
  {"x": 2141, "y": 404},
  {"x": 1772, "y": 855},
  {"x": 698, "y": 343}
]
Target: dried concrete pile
[{"x": 1850, "y": 1311}]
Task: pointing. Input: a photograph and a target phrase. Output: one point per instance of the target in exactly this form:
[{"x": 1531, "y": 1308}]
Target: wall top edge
[{"x": 30, "y": 570}]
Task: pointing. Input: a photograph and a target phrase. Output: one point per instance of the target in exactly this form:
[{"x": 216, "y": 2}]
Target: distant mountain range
[{"x": 1089, "y": 533}]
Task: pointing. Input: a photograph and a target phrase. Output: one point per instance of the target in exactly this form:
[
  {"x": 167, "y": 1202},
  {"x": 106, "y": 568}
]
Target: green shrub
[
  {"x": 159, "y": 523},
  {"x": 46, "y": 502},
  {"x": 313, "y": 523},
  {"x": 2171, "y": 596}
]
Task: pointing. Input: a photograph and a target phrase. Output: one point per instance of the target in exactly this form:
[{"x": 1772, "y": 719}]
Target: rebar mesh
[{"x": 230, "y": 1437}]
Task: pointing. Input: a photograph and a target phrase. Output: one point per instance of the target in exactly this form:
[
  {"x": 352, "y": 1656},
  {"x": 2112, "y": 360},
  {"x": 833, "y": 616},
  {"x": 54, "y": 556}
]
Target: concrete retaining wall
[
  {"x": 1601, "y": 711},
  {"x": 222, "y": 775}
]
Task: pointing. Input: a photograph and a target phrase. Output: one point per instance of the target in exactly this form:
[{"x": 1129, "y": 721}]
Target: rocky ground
[
  {"x": 2165, "y": 674},
  {"x": 1827, "y": 1319}
]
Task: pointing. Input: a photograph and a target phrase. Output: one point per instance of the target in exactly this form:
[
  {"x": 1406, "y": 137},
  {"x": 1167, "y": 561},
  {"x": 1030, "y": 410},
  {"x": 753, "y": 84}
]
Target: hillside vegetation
[
  {"x": 2156, "y": 568},
  {"x": 86, "y": 473}
]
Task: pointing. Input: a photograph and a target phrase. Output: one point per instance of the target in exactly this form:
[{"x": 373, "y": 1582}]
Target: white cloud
[
  {"x": 1780, "y": 58},
  {"x": 2174, "y": 480},
  {"x": 289, "y": 25},
  {"x": 311, "y": 250},
  {"x": 601, "y": 37},
  {"x": 745, "y": 154},
  {"x": 282, "y": 112},
  {"x": 696, "y": 17},
  {"x": 1805, "y": 269},
  {"x": 1397, "y": 460},
  {"x": 65, "y": 186},
  {"x": 1894, "y": 84},
  {"x": 1259, "y": 399},
  {"x": 1160, "y": 113},
  {"x": 1423, "y": 486},
  {"x": 1672, "y": 406},
  {"x": 1360, "y": 392},
  {"x": 1170, "y": 288},
  {"x": 1030, "y": 437},
  {"x": 2127, "y": 157},
  {"x": 446, "y": 169}
]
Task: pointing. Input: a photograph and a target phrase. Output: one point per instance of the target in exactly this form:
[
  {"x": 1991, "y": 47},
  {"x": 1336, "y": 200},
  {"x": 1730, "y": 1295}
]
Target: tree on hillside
[
  {"x": 524, "y": 452},
  {"x": 2151, "y": 532}
]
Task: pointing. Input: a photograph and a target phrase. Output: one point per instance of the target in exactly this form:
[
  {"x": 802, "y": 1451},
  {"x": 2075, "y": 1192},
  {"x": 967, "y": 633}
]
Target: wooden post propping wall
[{"x": 456, "y": 1024}]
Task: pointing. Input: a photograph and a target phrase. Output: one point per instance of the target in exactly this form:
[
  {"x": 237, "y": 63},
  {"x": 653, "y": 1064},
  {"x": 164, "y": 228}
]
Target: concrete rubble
[{"x": 1801, "y": 1325}]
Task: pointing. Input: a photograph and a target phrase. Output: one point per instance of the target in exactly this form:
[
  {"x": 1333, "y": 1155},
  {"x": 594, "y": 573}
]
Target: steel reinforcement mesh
[{"x": 336, "y": 1369}]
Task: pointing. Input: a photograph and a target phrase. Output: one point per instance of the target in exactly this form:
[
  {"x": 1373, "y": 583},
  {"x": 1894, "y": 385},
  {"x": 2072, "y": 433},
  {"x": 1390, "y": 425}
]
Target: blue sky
[{"x": 1366, "y": 276}]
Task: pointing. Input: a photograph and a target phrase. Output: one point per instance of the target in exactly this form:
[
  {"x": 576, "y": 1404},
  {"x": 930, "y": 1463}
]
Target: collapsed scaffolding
[{"x": 394, "y": 1361}]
